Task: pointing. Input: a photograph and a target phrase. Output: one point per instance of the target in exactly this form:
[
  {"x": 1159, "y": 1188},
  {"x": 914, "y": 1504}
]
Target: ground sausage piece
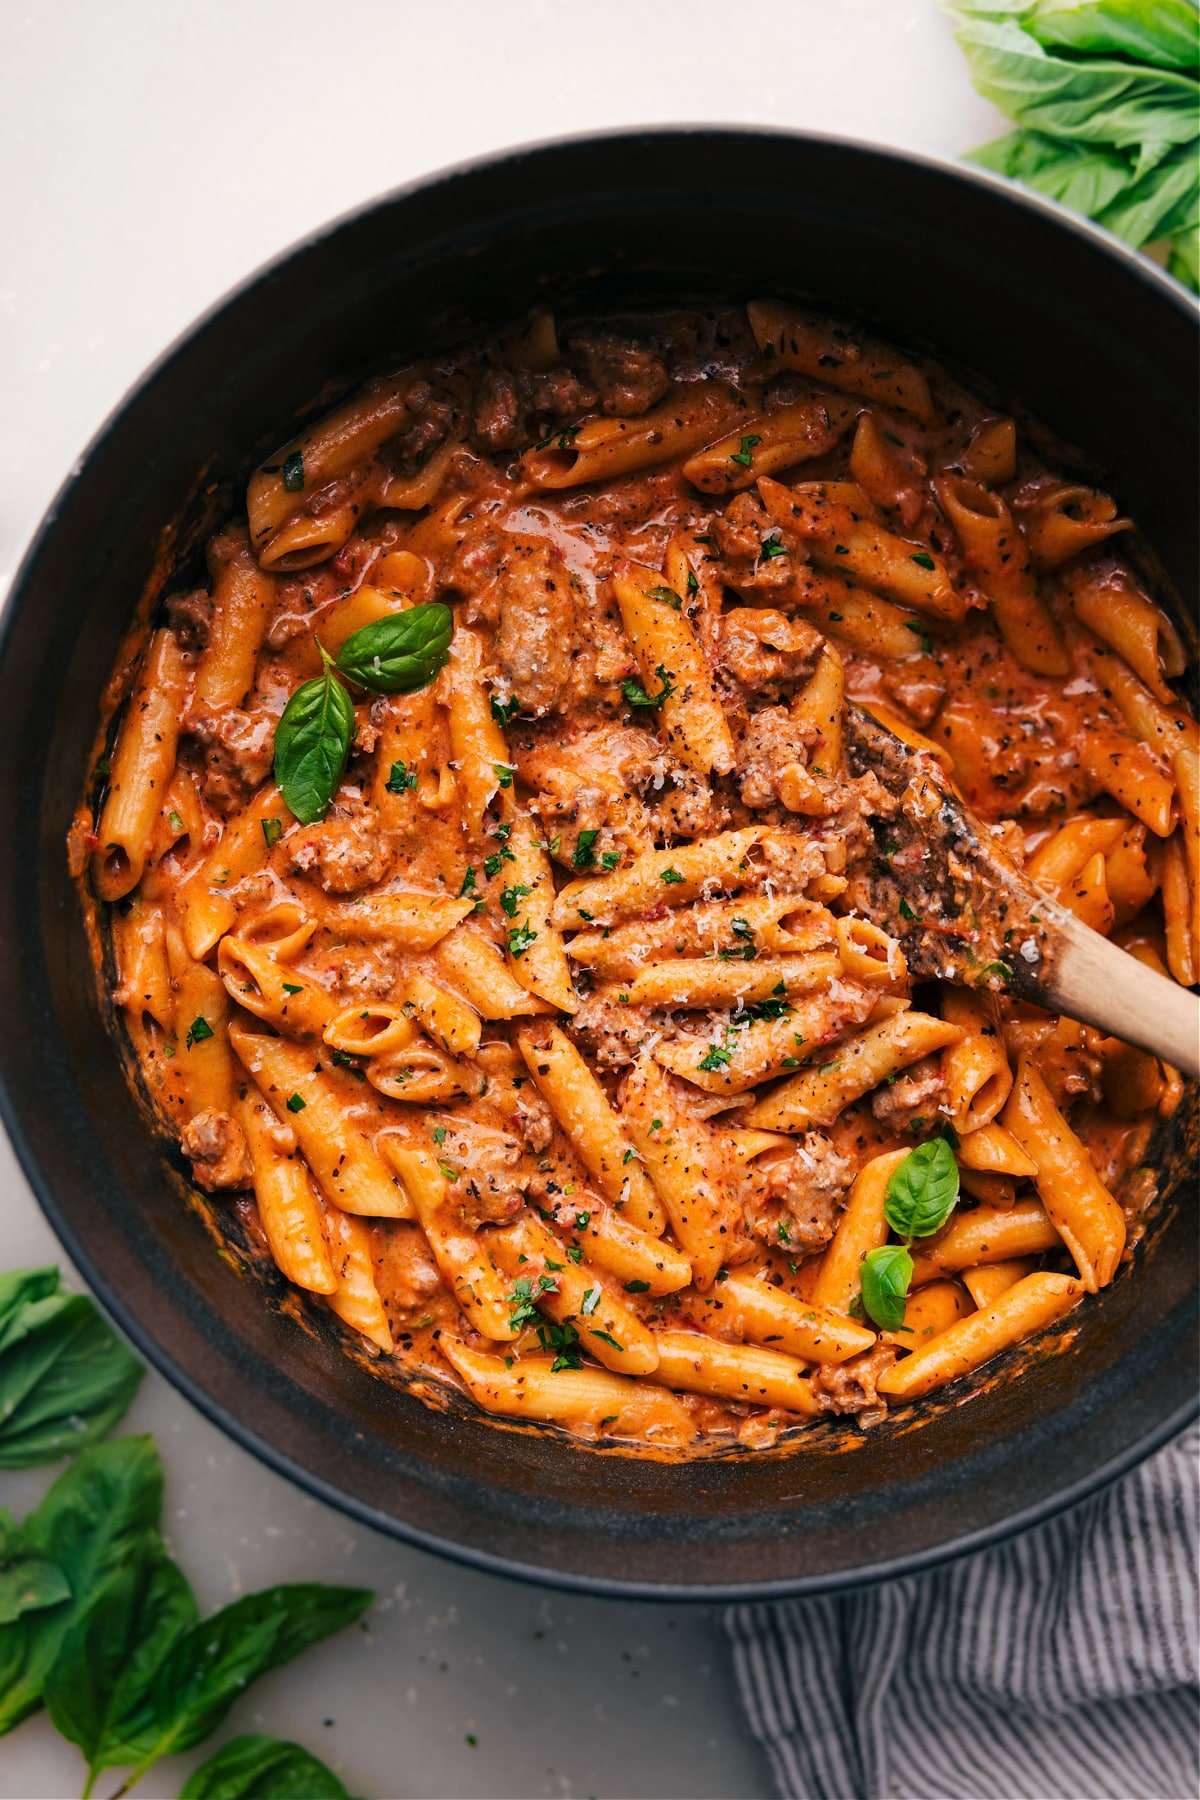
[
  {"x": 189, "y": 617},
  {"x": 772, "y": 741},
  {"x": 488, "y": 1186},
  {"x": 536, "y": 634},
  {"x": 629, "y": 379},
  {"x": 609, "y": 1031},
  {"x": 915, "y": 1096},
  {"x": 535, "y": 1122},
  {"x": 345, "y": 852},
  {"x": 499, "y": 422},
  {"x": 238, "y": 747},
  {"x": 220, "y": 1157},
  {"x": 850, "y": 1387},
  {"x": 405, "y": 1270},
  {"x": 794, "y": 1198},
  {"x": 432, "y": 417}
]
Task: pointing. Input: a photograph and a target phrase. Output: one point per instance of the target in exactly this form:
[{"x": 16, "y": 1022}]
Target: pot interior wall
[{"x": 1102, "y": 355}]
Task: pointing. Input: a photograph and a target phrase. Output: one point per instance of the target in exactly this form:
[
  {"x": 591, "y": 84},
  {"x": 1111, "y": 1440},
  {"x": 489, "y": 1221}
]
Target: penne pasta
[
  {"x": 854, "y": 1067},
  {"x": 344, "y": 1162},
  {"x": 1084, "y": 1213},
  {"x": 580, "y": 1106},
  {"x": 1027, "y": 1307}
]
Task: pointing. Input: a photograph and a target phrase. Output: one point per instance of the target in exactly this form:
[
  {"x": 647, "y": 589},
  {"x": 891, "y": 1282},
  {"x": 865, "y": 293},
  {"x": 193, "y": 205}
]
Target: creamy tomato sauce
[{"x": 644, "y": 662}]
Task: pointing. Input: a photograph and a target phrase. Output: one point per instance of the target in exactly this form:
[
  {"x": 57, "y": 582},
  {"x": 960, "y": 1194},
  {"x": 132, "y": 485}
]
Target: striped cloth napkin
[{"x": 1060, "y": 1664}]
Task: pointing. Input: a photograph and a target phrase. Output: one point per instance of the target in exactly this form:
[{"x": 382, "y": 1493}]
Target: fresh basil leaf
[
  {"x": 1166, "y": 199},
  {"x": 400, "y": 653},
  {"x": 923, "y": 1190},
  {"x": 262, "y": 1768},
  {"x": 312, "y": 742},
  {"x": 1085, "y": 177},
  {"x": 207, "y": 1667},
  {"x": 1099, "y": 100},
  {"x": 19, "y": 1289},
  {"x": 885, "y": 1275},
  {"x": 1160, "y": 32},
  {"x": 88, "y": 1524},
  {"x": 27, "y": 1583},
  {"x": 97, "y": 1692},
  {"x": 65, "y": 1380}
]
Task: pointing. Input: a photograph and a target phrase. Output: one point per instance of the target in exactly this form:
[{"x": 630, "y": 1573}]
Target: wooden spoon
[{"x": 964, "y": 912}]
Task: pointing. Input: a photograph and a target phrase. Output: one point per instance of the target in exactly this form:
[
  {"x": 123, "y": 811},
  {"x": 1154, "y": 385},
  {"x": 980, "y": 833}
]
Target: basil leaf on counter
[
  {"x": 1106, "y": 99},
  {"x": 65, "y": 1380},
  {"x": 400, "y": 653},
  {"x": 885, "y": 1274},
  {"x": 89, "y": 1524},
  {"x": 96, "y": 1692},
  {"x": 262, "y": 1768},
  {"x": 28, "y": 1583},
  {"x": 210, "y": 1664},
  {"x": 923, "y": 1190},
  {"x": 312, "y": 742}
]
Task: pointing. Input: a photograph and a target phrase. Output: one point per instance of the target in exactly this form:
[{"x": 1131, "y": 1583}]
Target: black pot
[{"x": 1044, "y": 308}]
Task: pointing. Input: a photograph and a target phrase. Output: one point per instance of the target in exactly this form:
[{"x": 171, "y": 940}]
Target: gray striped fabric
[{"x": 1062, "y": 1663}]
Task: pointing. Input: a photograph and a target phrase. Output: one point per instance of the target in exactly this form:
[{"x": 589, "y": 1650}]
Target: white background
[{"x": 155, "y": 152}]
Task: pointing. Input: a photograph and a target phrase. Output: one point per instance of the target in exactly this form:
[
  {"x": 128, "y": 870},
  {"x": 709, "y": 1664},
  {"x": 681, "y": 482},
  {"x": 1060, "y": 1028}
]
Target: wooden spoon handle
[{"x": 1092, "y": 980}]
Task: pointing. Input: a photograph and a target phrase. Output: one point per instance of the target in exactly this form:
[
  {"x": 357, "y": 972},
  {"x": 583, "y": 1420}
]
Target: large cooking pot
[{"x": 1100, "y": 345}]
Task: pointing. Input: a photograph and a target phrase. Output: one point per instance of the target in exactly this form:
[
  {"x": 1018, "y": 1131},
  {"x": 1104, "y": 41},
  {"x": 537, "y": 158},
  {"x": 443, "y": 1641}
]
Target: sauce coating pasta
[{"x": 540, "y": 1042}]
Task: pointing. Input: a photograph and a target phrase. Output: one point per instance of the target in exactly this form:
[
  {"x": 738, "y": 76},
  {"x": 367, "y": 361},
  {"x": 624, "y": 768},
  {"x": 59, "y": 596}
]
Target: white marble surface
[{"x": 153, "y": 154}]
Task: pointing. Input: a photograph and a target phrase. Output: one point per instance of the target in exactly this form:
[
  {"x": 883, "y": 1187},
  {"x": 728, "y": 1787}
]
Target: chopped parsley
[
  {"x": 609, "y": 860},
  {"x": 520, "y": 939},
  {"x": 608, "y": 1338},
  {"x": 401, "y": 778},
  {"x": 589, "y": 1303},
  {"x": 293, "y": 472},
  {"x": 505, "y": 710},
  {"x": 771, "y": 547},
  {"x": 671, "y": 877},
  {"x": 468, "y": 882},
  {"x": 296, "y": 1103},
  {"x": 693, "y": 586},
  {"x": 522, "y": 1307},
  {"x": 636, "y": 695},
  {"x": 293, "y": 987},
  {"x": 511, "y": 898},
  {"x": 921, "y": 634},
  {"x": 745, "y": 446},
  {"x": 197, "y": 1031},
  {"x": 923, "y": 560},
  {"x": 906, "y": 911},
  {"x": 176, "y": 824},
  {"x": 584, "y": 856},
  {"x": 637, "y": 1287},
  {"x": 439, "y": 1135},
  {"x": 504, "y": 774},
  {"x": 667, "y": 595},
  {"x": 341, "y": 1059}
]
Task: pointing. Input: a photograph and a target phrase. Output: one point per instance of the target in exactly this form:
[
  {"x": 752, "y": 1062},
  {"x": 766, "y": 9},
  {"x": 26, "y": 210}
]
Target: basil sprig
[
  {"x": 885, "y": 1274},
  {"x": 395, "y": 655},
  {"x": 922, "y": 1192},
  {"x": 1105, "y": 99},
  {"x": 96, "y": 1620}
]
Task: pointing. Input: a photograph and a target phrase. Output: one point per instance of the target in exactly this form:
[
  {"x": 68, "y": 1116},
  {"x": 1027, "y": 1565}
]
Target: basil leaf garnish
[
  {"x": 885, "y": 1274},
  {"x": 923, "y": 1190},
  {"x": 312, "y": 742},
  {"x": 262, "y": 1768},
  {"x": 400, "y": 653}
]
